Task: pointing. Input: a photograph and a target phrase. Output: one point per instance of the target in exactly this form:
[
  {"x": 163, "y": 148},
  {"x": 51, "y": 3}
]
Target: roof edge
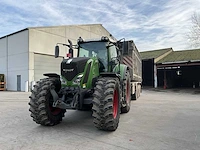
[
  {"x": 13, "y": 33},
  {"x": 63, "y": 26},
  {"x": 49, "y": 27},
  {"x": 157, "y": 50}
]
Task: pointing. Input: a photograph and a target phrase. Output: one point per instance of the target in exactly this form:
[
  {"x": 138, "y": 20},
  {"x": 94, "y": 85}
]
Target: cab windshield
[
  {"x": 91, "y": 49},
  {"x": 95, "y": 49}
]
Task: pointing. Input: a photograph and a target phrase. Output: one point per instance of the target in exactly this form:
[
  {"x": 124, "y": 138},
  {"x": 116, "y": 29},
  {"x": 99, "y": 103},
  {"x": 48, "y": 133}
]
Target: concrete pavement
[{"x": 157, "y": 120}]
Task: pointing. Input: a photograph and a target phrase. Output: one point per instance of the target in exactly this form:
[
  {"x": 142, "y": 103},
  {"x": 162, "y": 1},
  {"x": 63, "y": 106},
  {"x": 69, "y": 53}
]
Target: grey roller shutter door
[{"x": 45, "y": 64}]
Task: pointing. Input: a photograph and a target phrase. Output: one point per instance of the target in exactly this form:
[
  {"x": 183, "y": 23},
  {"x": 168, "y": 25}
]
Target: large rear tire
[
  {"x": 41, "y": 102},
  {"x": 127, "y": 93},
  {"x": 106, "y": 104}
]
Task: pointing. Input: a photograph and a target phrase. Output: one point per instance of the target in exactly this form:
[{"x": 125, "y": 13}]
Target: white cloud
[
  {"x": 174, "y": 20},
  {"x": 151, "y": 24}
]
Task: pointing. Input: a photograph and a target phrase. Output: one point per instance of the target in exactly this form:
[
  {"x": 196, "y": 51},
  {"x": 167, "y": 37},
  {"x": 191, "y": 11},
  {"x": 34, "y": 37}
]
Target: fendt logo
[{"x": 68, "y": 70}]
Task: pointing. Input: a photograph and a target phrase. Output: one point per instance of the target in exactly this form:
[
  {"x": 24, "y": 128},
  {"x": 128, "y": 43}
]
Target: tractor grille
[{"x": 70, "y": 68}]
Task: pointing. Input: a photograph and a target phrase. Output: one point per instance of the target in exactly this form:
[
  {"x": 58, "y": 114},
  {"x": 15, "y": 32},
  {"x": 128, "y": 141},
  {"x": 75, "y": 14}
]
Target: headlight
[
  {"x": 78, "y": 79},
  {"x": 104, "y": 38}
]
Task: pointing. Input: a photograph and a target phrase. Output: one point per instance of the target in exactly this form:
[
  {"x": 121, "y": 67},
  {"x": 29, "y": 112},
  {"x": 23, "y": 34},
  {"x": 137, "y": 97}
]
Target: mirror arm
[
  {"x": 63, "y": 44},
  {"x": 67, "y": 45},
  {"x": 70, "y": 43}
]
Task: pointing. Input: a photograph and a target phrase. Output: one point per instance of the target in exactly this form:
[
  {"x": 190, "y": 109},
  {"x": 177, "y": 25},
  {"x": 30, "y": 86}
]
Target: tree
[{"x": 194, "y": 35}]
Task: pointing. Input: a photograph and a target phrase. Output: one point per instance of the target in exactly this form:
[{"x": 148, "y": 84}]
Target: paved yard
[{"x": 157, "y": 120}]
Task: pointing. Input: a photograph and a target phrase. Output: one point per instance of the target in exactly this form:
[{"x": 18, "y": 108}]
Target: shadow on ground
[{"x": 176, "y": 90}]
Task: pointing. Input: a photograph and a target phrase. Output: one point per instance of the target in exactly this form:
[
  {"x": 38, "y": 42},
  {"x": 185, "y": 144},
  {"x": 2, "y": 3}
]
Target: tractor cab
[{"x": 104, "y": 50}]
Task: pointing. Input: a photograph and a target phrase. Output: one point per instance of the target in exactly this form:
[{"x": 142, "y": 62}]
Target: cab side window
[{"x": 113, "y": 52}]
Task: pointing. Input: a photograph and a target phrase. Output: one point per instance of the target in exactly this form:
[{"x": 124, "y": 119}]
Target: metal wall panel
[
  {"x": 17, "y": 59},
  {"x": 3, "y": 56}
]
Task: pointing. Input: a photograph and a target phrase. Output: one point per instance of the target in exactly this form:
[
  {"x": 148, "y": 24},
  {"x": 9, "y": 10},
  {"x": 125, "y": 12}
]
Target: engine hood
[{"x": 73, "y": 66}]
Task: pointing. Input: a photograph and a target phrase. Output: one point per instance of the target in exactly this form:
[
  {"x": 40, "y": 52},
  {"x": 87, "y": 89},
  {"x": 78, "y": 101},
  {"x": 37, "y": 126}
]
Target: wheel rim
[
  {"x": 128, "y": 92},
  {"x": 54, "y": 110},
  {"x": 115, "y": 104}
]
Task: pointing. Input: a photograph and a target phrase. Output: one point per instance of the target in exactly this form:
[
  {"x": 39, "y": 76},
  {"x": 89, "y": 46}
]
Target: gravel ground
[{"x": 158, "y": 120}]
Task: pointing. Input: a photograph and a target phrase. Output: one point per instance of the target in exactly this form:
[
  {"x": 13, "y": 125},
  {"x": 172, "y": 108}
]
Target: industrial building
[
  {"x": 29, "y": 53},
  {"x": 171, "y": 69}
]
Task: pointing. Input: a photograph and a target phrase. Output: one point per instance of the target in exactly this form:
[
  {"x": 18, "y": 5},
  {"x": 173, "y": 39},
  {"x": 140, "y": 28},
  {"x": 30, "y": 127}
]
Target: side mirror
[{"x": 56, "y": 51}]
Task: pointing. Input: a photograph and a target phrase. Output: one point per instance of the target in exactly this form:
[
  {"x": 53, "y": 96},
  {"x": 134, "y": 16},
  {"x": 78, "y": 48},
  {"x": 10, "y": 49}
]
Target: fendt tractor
[{"x": 104, "y": 77}]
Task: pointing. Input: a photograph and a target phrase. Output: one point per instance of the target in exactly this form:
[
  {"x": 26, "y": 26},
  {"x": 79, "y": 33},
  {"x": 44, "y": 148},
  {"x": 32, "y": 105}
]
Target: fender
[
  {"x": 110, "y": 74},
  {"x": 122, "y": 70},
  {"x": 52, "y": 75}
]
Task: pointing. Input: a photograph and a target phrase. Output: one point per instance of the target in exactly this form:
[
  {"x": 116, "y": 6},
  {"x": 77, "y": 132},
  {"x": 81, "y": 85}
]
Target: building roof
[
  {"x": 65, "y": 26},
  {"x": 42, "y": 27},
  {"x": 157, "y": 55},
  {"x": 181, "y": 56},
  {"x": 13, "y": 33},
  {"x": 154, "y": 53}
]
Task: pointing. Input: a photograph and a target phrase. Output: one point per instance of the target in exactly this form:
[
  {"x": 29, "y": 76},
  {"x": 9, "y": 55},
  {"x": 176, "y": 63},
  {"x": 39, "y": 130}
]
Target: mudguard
[
  {"x": 122, "y": 69},
  {"x": 52, "y": 75}
]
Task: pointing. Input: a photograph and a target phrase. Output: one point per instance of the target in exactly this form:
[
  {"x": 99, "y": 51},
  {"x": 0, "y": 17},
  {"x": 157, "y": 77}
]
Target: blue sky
[{"x": 152, "y": 24}]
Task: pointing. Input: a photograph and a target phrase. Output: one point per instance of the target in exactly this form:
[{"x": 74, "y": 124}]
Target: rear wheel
[
  {"x": 127, "y": 93},
  {"x": 41, "y": 102},
  {"x": 106, "y": 104}
]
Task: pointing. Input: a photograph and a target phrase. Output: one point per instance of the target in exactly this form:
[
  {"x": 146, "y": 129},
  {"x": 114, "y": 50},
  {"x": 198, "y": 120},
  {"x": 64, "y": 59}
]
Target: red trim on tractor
[
  {"x": 115, "y": 103},
  {"x": 54, "y": 110},
  {"x": 128, "y": 91}
]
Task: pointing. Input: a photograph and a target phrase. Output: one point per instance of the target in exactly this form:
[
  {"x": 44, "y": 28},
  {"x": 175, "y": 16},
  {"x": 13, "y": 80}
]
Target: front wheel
[
  {"x": 41, "y": 102},
  {"x": 106, "y": 104}
]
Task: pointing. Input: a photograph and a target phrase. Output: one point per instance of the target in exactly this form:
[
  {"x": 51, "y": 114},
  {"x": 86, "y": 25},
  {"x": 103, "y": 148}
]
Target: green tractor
[{"x": 95, "y": 79}]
